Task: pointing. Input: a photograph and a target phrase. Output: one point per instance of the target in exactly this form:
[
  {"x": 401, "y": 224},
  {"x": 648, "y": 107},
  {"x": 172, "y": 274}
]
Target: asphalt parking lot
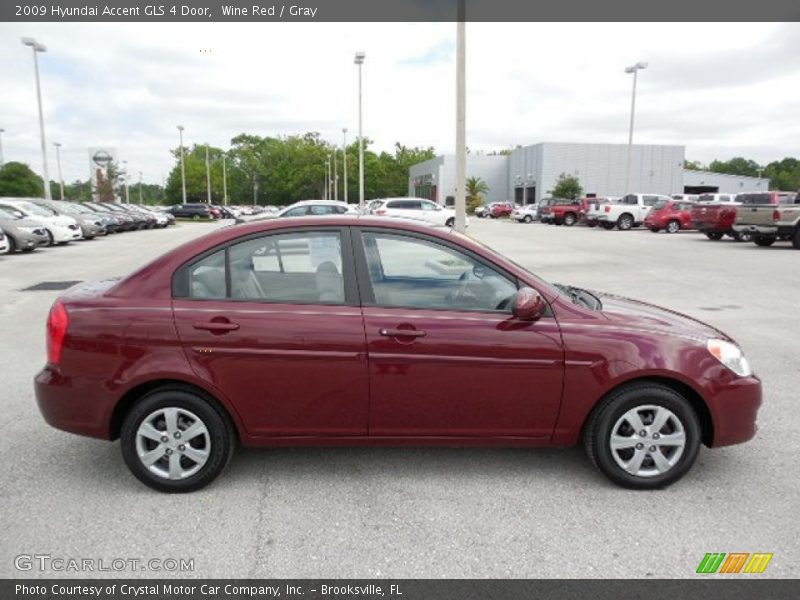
[{"x": 425, "y": 513}]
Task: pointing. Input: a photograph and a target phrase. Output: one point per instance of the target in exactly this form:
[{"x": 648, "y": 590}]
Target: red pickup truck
[
  {"x": 563, "y": 211},
  {"x": 717, "y": 217}
]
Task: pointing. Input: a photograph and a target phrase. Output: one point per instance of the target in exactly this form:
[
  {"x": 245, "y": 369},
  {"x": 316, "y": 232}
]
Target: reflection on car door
[
  {"x": 273, "y": 322},
  {"x": 446, "y": 357}
]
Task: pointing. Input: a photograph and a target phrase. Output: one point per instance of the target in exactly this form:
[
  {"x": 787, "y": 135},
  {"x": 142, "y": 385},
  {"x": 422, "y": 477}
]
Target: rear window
[
  {"x": 659, "y": 204},
  {"x": 753, "y": 198}
]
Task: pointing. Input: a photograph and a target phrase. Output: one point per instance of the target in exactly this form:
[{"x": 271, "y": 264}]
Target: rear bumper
[
  {"x": 72, "y": 405},
  {"x": 766, "y": 230},
  {"x": 734, "y": 409}
]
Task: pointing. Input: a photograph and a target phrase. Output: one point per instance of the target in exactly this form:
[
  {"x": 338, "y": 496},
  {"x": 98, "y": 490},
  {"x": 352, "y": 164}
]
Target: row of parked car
[
  {"x": 29, "y": 223},
  {"x": 760, "y": 217},
  {"x": 200, "y": 210}
]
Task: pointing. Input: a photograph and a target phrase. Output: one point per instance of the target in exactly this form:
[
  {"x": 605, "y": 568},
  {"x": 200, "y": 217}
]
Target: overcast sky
[{"x": 721, "y": 90}]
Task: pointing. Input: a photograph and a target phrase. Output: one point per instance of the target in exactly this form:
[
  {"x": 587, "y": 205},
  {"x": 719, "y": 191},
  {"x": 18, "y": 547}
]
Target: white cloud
[{"x": 720, "y": 89}]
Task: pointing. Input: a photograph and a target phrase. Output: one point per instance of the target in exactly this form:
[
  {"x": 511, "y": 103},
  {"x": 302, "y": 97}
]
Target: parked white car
[
  {"x": 417, "y": 208},
  {"x": 717, "y": 198},
  {"x": 629, "y": 211},
  {"x": 316, "y": 208},
  {"x": 525, "y": 214},
  {"x": 61, "y": 229}
]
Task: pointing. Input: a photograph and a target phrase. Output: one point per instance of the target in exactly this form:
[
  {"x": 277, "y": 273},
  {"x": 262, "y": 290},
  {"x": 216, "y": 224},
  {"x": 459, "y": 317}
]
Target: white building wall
[{"x": 726, "y": 184}]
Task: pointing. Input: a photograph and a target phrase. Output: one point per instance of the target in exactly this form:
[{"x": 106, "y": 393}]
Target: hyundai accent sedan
[{"x": 373, "y": 331}]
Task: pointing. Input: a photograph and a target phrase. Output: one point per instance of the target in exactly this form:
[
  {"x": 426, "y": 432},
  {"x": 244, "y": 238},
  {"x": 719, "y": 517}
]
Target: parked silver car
[
  {"x": 22, "y": 233},
  {"x": 91, "y": 225}
]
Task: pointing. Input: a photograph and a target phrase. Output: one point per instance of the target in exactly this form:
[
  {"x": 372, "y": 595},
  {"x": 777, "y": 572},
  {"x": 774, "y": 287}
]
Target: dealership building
[{"x": 529, "y": 173}]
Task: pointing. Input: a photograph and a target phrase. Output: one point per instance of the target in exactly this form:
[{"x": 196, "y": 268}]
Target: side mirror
[
  {"x": 439, "y": 207},
  {"x": 528, "y": 305}
]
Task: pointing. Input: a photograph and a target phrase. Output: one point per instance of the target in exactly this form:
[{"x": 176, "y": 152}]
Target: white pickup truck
[{"x": 629, "y": 211}]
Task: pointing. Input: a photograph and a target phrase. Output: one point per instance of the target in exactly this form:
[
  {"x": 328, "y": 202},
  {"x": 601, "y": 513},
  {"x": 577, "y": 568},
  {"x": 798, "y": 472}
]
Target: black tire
[
  {"x": 528, "y": 219},
  {"x": 609, "y": 412},
  {"x": 625, "y": 222},
  {"x": 673, "y": 227},
  {"x": 12, "y": 245},
  {"x": 654, "y": 229},
  {"x": 221, "y": 435},
  {"x": 52, "y": 241},
  {"x": 450, "y": 222},
  {"x": 795, "y": 239},
  {"x": 764, "y": 241},
  {"x": 608, "y": 226},
  {"x": 714, "y": 235},
  {"x": 591, "y": 223},
  {"x": 569, "y": 219},
  {"x": 195, "y": 217}
]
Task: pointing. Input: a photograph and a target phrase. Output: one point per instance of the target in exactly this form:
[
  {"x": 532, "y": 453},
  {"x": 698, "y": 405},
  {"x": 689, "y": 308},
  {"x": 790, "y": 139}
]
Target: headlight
[{"x": 731, "y": 356}]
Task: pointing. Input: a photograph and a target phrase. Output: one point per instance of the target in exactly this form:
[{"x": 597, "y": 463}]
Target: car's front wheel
[
  {"x": 450, "y": 222},
  {"x": 625, "y": 222},
  {"x": 528, "y": 219},
  {"x": 643, "y": 436},
  {"x": 673, "y": 227},
  {"x": 173, "y": 440},
  {"x": 714, "y": 236}
]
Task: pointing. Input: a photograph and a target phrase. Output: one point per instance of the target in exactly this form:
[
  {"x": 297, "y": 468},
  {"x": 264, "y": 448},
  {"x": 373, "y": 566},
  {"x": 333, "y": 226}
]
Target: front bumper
[
  {"x": 734, "y": 409},
  {"x": 65, "y": 234}
]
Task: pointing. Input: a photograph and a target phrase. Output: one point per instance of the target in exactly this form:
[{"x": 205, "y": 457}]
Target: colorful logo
[{"x": 735, "y": 562}]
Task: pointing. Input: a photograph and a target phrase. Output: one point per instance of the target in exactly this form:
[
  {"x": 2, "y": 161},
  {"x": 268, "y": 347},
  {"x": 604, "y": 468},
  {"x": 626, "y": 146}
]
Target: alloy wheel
[
  {"x": 647, "y": 440},
  {"x": 173, "y": 443},
  {"x": 673, "y": 227}
]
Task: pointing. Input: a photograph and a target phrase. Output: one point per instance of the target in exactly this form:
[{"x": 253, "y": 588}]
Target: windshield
[
  {"x": 37, "y": 209},
  {"x": 5, "y": 214},
  {"x": 80, "y": 208}
]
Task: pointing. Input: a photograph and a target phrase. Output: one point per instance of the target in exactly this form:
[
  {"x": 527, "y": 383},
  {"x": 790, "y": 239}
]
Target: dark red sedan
[
  {"x": 370, "y": 331},
  {"x": 671, "y": 216}
]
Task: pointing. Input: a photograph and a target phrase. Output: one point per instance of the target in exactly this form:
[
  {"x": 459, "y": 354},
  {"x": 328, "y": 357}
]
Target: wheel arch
[
  {"x": 129, "y": 399},
  {"x": 692, "y": 396}
]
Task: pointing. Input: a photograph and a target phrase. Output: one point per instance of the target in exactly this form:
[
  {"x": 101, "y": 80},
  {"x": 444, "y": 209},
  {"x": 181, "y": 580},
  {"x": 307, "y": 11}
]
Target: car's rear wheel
[
  {"x": 714, "y": 235},
  {"x": 450, "y": 222},
  {"x": 12, "y": 245},
  {"x": 569, "y": 219},
  {"x": 655, "y": 229},
  {"x": 591, "y": 223},
  {"x": 528, "y": 219},
  {"x": 608, "y": 226},
  {"x": 795, "y": 239},
  {"x": 52, "y": 240},
  {"x": 673, "y": 227},
  {"x": 173, "y": 440},
  {"x": 625, "y": 222},
  {"x": 762, "y": 240},
  {"x": 643, "y": 436}
]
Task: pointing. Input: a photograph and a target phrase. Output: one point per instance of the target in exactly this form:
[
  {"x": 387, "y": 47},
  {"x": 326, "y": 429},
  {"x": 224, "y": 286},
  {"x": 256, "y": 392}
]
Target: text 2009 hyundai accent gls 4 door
[{"x": 369, "y": 331}]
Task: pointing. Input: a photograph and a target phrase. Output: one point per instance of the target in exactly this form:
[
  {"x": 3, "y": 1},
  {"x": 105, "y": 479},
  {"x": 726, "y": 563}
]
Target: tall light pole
[
  {"x": 140, "y": 188},
  {"x": 127, "y": 194},
  {"x": 330, "y": 179},
  {"x": 2, "y": 131},
  {"x": 344, "y": 160},
  {"x": 183, "y": 166},
  {"x": 461, "y": 121},
  {"x": 37, "y": 47},
  {"x": 335, "y": 175},
  {"x": 208, "y": 177},
  {"x": 58, "y": 162},
  {"x": 224, "y": 180},
  {"x": 635, "y": 70},
  {"x": 359, "y": 60}
]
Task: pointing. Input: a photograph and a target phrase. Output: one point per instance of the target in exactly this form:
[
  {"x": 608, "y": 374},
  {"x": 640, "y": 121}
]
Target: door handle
[
  {"x": 402, "y": 333},
  {"x": 216, "y": 326}
]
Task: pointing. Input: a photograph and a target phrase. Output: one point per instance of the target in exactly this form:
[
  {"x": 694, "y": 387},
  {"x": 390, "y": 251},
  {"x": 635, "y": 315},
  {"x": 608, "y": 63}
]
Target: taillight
[
  {"x": 607, "y": 209},
  {"x": 776, "y": 215},
  {"x": 57, "y": 323}
]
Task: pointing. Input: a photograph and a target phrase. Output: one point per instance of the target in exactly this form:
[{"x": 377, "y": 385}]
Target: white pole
[
  {"x": 224, "y": 181},
  {"x": 2, "y": 131},
  {"x": 140, "y": 188},
  {"x": 628, "y": 189},
  {"x": 208, "y": 177},
  {"x": 335, "y": 175},
  {"x": 45, "y": 173},
  {"x": 360, "y": 61},
  {"x": 461, "y": 122},
  {"x": 344, "y": 161},
  {"x": 58, "y": 162},
  {"x": 183, "y": 166},
  {"x": 127, "y": 195}
]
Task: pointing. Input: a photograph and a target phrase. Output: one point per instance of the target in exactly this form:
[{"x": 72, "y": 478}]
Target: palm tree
[{"x": 476, "y": 187}]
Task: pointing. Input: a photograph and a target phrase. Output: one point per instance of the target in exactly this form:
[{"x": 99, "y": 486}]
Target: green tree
[
  {"x": 693, "y": 165},
  {"x": 476, "y": 188},
  {"x": 17, "y": 179},
  {"x": 567, "y": 186},
  {"x": 735, "y": 166}
]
